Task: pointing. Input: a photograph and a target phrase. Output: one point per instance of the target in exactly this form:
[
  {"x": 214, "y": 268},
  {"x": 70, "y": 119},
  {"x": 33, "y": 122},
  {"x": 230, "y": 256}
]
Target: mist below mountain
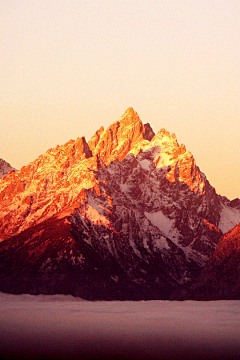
[{"x": 65, "y": 327}]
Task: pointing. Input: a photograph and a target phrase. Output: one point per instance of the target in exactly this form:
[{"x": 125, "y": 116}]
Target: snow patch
[
  {"x": 161, "y": 244},
  {"x": 145, "y": 164},
  {"x": 125, "y": 188},
  {"x": 164, "y": 224},
  {"x": 229, "y": 218}
]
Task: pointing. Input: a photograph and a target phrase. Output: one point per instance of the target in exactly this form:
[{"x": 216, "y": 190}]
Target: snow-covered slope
[{"x": 126, "y": 215}]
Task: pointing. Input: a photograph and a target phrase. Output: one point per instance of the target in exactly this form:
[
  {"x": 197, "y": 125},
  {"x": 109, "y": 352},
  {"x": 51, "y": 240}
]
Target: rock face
[
  {"x": 220, "y": 279},
  {"x": 5, "y": 168},
  {"x": 128, "y": 215}
]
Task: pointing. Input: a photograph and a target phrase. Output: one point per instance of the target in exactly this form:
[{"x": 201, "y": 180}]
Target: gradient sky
[{"x": 70, "y": 66}]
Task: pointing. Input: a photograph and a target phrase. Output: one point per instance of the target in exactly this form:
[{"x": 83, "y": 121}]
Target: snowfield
[{"x": 64, "y": 327}]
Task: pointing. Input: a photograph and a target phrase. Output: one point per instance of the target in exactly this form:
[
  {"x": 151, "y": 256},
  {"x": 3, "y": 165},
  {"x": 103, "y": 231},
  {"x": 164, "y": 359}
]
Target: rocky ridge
[
  {"x": 127, "y": 214},
  {"x": 220, "y": 278},
  {"x": 5, "y": 168}
]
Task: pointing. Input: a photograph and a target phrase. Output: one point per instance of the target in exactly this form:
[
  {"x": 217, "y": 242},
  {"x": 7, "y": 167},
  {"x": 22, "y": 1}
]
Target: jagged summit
[
  {"x": 119, "y": 138},
  {"x": 127, "y": 214},
  {"x": 129, "y": 116},
  {"x": 55, "y": 179}
]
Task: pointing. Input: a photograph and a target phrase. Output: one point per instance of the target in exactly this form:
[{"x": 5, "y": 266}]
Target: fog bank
[{"x": 64, "y": 327}]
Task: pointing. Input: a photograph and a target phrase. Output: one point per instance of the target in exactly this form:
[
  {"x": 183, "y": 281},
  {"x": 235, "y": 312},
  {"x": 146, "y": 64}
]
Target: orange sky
[{"x": 69, "y": 67}]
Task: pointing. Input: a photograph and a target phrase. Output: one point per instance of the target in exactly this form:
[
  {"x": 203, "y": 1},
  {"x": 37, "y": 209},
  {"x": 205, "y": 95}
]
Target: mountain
[
  {"x": 5, "y": 168},
  {"x": 126, "y": 215}
]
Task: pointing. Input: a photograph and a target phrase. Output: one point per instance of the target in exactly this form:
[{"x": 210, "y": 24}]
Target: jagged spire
[{"x": 119, "y": 138}]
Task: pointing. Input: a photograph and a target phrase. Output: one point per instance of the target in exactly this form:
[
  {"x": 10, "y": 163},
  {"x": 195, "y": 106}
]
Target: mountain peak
[
  {"x": 120, "y": 138},
  {"x": 130, "y": 111},
  {"x": 127, "y": 212},
  {"x": 129, "y": 117}
]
